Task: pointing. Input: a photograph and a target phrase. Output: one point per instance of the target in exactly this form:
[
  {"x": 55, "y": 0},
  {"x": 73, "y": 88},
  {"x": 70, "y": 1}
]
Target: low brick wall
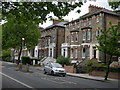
[
  {"x": 100, "y": 73},
  {"x": 70, "y": 69}
]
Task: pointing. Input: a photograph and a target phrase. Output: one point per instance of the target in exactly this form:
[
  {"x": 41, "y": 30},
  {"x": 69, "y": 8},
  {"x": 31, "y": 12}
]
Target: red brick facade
[{"x": 77, "y": 39}]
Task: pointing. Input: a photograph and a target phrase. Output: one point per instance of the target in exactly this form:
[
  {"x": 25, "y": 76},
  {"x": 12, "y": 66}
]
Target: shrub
[
  {"x": 6, "y": 55},
  {"x": 89, "y": 63},
  {"x": 26, "y": 59},
  {"x": 63, "y": 61},
  {"x": 100, "y": 64}
]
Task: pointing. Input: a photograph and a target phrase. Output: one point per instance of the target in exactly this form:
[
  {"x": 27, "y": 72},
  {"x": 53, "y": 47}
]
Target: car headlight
[{"x": 56, "y": 70}]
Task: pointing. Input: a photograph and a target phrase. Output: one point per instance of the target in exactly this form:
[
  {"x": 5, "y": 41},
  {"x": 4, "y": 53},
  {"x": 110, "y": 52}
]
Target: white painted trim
[{"x": 75, "y": 45}]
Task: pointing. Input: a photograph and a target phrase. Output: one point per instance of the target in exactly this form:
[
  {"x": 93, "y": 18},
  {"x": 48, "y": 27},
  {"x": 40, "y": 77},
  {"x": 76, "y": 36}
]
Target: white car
[{"x": 54, "y": 69}]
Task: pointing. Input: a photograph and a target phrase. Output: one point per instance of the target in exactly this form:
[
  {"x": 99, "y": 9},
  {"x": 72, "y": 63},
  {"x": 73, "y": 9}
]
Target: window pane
[{"x": 84, "y": 35}]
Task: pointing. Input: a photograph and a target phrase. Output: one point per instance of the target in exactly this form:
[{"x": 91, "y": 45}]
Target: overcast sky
[{"x": 84, "y": 9}]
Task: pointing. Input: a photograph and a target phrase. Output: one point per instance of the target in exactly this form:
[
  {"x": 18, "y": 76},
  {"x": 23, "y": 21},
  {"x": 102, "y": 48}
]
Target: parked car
[{"x": 54, "y": 69}]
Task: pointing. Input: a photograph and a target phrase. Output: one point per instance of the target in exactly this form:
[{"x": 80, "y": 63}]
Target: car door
[
  {"x": 50, "y": 68},
  {"x": 47, "y": 68}
]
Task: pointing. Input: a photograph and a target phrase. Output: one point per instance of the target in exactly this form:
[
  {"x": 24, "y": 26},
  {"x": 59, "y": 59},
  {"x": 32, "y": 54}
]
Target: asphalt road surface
[{"x": 12, "y": 78}]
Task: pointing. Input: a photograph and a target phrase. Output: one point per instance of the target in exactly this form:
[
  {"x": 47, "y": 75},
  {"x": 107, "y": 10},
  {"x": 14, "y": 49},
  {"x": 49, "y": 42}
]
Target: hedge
[
  {"x": 26, "y": 60},
  {"x": 63, "y": 61},
  {"x": 87, "y": 69},
  {"x": 6, "y": 55}
]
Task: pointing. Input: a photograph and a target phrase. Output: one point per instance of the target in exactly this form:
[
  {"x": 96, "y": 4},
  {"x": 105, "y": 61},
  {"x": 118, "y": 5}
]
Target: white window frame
[
  {"x": 72, "y": 38},
  {"x": 71, "y": 54},
  {"x": 88, "y": 35},
  {"x": 83, "y": 35},
  {"x": 76, "y": 37},
  {"x": 88, "y": 52},
  {"x": 97, "y": 19},
  {"x": 97, "y": 33},
  {"x": 83, "y": 54},
  {"x": 64, "y": 52},
  {"x": 84, "y": 23},
  {"x": 89, "y": 22},
  {"x": 76, "y": 51}
]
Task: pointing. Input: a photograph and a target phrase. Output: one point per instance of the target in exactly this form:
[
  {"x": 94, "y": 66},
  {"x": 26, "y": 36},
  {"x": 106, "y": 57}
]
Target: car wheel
[
  {"x": 52, "y": 72},
  {"x": 63, "y": 75},
  {"x": 45, "y": 71}
]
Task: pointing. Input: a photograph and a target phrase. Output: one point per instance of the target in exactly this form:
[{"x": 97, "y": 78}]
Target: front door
[{"x": 94, "y": 52}]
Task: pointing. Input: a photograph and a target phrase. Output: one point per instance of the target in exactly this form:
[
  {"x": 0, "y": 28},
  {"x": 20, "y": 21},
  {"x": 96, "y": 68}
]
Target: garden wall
[
  {"x": 70, "y": 69},
  {"x": 100, "y": 73}
]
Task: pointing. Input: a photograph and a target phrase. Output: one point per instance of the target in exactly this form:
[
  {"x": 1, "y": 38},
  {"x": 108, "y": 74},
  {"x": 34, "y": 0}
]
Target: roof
[
  {"x": 76, "y": 20},
  {"x": 60, "y": 24},
  {"x": 99, "y": 11},
  {"x": 94, "y": 13}
]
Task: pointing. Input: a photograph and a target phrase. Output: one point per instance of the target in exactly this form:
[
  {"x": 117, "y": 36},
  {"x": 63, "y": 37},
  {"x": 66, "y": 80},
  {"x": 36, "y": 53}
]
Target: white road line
[{"x": 16, "y": 80}]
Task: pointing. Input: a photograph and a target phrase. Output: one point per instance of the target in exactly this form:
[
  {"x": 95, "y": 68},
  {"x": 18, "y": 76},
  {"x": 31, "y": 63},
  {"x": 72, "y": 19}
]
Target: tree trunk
[
  {"x": 19, "y": 55},
  {"x": 105, "y": 61},
  {"x": 108, "y": 66}
]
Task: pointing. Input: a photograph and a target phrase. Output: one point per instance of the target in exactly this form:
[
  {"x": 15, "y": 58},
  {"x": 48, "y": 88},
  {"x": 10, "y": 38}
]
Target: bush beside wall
[{"x": 26, "y": 60}]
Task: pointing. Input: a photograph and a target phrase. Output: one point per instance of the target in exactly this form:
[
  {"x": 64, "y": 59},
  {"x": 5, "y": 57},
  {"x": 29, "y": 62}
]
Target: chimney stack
[
  {"x": 93, "y": 8},
  {"x": 56, "y": 21}
]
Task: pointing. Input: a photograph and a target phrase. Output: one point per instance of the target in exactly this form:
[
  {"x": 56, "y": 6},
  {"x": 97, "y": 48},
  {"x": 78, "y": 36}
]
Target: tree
[
  {"x": 109, "y": 43},
  {"x": 63, "y": 61},
  {"x": 22, "y": 19},
  {"x": 115, "y": 5},
  {"x": 13, "y": 32},
  {"x": 37, "y": 11}
]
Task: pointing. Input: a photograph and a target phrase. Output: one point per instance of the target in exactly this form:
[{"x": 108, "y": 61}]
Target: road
[{"x": 12, "y": 78}]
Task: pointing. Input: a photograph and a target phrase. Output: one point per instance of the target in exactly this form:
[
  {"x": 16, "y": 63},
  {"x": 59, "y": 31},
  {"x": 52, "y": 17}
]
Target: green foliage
[
  {"x": 108, "y": 40},
  {"x": 6, "y": 55},
  {"x": 36, "y": 12},
  {"x": 89, "y": 63},
  {"x": 114, "y": 5},
  {"x": 99, "y": 64},
  {"x": 109, "y": 43},
  {"x": 26, "y": 60},
  {"x": 22, "y": 20},
  {"x": 63, "y": 61},
  {"x": 12, "y": 36}
]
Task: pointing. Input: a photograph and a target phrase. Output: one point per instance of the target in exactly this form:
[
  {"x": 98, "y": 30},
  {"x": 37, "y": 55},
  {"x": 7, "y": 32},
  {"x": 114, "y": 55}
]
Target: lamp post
[{"x": 23, "y": 39}]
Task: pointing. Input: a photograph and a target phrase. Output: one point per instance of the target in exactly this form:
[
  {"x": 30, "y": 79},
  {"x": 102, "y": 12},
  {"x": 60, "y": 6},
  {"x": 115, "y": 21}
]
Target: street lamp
[
  {"x": 22, "y": 46},
  {"x": 23, "y": 42}
]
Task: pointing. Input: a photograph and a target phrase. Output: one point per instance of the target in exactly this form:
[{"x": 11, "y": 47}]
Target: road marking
[{"x": 16, "y": 80}]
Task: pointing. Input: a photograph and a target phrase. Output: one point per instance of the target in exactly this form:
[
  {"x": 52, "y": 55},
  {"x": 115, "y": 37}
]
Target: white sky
[{"x": 84, "y": 10}]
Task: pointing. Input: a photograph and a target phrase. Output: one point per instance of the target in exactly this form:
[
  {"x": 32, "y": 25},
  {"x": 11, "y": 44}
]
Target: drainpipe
[{"x": 56, "y": 43}]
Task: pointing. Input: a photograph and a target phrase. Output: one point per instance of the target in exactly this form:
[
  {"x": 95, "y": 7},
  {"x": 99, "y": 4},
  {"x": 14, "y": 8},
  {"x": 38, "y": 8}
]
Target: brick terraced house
[
  {"x": 51, "y": 40},
  {"x": 80, "y": 34},
  {"x": 77, "y": 39}
]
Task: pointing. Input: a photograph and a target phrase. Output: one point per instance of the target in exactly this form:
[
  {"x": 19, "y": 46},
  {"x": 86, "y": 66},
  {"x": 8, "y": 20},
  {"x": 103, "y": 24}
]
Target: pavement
[
  {"x": 79, "y": 75},
  {"x": 85, "y": 76}
]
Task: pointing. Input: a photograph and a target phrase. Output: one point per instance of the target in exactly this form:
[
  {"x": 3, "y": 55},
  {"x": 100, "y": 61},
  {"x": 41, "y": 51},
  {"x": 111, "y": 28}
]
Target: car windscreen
[{"x": 56, "y": 65}]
